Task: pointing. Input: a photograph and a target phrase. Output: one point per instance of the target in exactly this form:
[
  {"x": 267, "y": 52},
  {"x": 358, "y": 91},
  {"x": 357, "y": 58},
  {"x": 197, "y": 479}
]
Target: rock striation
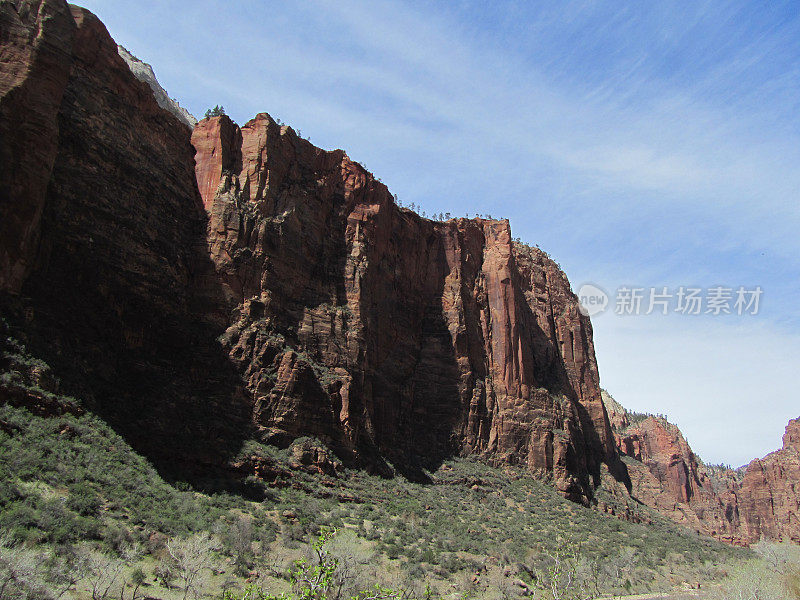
[
  {"x": 35, "y": 59},
  {"x": 389, "y": 336},
  {"x": 202, "y": 288}
]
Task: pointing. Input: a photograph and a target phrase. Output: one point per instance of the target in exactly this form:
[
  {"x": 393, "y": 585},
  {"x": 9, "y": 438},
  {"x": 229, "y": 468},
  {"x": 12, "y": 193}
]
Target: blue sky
[{"x": 656, "y": 144}]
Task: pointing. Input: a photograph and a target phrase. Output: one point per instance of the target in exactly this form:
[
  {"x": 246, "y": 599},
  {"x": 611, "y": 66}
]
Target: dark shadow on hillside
[{"x": 112, "y": 303}]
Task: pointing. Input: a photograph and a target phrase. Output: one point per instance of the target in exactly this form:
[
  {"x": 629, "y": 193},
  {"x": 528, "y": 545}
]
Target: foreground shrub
[
  {"x": 321, "y": 577},
  {"x": 774, "y": 575}
]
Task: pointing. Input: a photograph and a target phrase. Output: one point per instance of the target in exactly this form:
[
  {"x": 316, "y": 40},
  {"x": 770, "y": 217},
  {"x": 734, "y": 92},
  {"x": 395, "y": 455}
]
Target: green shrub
[{"x": 84, "y": 500}]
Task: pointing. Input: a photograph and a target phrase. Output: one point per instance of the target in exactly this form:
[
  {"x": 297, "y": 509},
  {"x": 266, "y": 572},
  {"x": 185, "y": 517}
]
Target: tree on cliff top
[{"x": 217, "y": 111}]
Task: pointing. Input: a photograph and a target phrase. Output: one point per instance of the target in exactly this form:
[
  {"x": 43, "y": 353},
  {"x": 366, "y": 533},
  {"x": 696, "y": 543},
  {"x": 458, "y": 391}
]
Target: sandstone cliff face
[
  {"x": 740, "y": 506},
  {"x": 668, "y": 476},
  {"x": 244, "y": 283},
  {"x": 35, "y": 50},
  {"x": 108, "y": 280},
  {"x": 770, "y": 491},
  {"x": 617, "y": 415},
  {"x": 199, "y": 289},
  {"x": 385, "y": 334}
]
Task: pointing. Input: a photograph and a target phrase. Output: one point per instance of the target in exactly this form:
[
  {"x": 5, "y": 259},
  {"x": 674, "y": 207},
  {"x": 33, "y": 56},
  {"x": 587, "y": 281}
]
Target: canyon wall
[
  {"x": 202, "y": 288},
  {"x": 35, "y": 58},
  {"x": 738, "y": 506},
  {"x": 106, "y": 276},
  {"x": 199, "y": 289},
  {"x": 390, "y": 336},
  {"x": 770, "y": 491}
]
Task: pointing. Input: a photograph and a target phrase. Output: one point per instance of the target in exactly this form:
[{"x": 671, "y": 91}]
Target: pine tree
[{"x": 217, "y": 111}]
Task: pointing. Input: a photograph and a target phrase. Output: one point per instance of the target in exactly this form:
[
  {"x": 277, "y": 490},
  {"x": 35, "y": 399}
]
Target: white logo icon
[{"x": 593, "y": 300}]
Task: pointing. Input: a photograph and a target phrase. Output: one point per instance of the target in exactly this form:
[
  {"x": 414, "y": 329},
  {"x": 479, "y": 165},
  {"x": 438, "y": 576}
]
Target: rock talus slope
[{"x": 241, "y": 283}]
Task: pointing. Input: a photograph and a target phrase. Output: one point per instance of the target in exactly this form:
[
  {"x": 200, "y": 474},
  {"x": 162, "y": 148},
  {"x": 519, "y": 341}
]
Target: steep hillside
[{"x": 93, "y": 512}]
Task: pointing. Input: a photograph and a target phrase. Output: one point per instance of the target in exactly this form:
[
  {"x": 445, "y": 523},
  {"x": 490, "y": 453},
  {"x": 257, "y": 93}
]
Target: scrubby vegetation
[
  {"x": 76, "y": 494},
  {"x": 83, "y": 516}
]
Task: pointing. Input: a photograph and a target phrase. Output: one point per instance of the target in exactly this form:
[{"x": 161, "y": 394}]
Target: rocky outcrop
[
  {"x": 617, "y": 415},
  {"x": 30, "y": 383},
  {"x": 388, "y": 335},
  {"x": 144, "y": 72},
  {"x": 668, "y": 476},
  {"x": 770, "y": 491},
  {"x": 246, "y": 284},
  {"x": 739, "y": 506}
]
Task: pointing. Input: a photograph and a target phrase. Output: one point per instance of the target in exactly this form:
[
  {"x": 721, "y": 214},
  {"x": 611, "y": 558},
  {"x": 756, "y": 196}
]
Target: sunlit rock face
[
  {"x": 739, "y": 506},
  {"x": 391, "y": 336},
  {"x": 144, "y": 72},
  {"x": 770, "y": 492},
  {"x": 667, "y": 475}
]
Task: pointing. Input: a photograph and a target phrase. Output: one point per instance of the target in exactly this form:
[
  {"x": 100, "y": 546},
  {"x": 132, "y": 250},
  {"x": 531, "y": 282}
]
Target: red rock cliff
[
  {"x": 739, "y": 506},
  {"x": 104, "y": 269},
  {"x": 770, "y": 491},
  {"x": 386, "y": 334},
  {"x": 667, "y": 475},
  {"x": 35, "y": 53},
  {"x": 128, "y": 256}
]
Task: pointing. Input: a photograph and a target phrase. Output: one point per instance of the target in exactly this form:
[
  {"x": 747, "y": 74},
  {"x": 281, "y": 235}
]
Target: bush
[
  {"x": 91, "y": 458},
  {"x": 29, "y": 574},
  {"x": 84, "y": 500}
]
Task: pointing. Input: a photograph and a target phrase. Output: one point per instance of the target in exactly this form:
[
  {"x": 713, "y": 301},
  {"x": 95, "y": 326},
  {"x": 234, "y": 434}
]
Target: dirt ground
[{"x": 687, "y": 595}]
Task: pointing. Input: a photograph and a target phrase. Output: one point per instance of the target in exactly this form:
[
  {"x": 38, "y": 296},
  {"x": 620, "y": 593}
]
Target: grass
[{"x": 69, "y": 481}]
